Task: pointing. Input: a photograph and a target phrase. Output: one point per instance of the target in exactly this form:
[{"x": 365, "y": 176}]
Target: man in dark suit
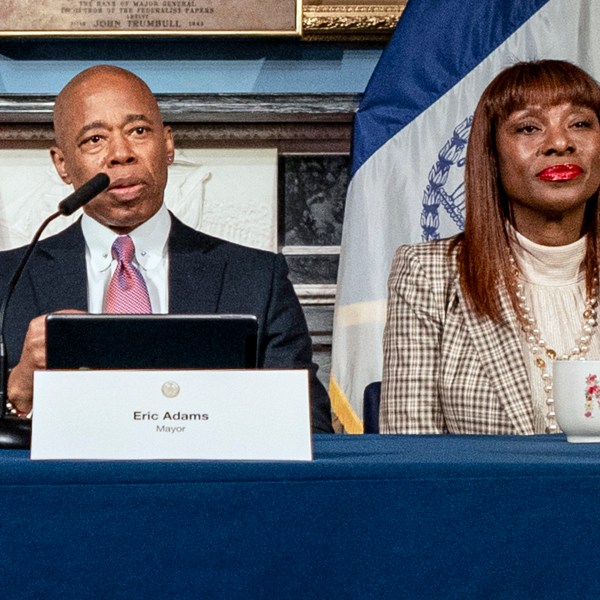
[{"x": 107, "y": 120}]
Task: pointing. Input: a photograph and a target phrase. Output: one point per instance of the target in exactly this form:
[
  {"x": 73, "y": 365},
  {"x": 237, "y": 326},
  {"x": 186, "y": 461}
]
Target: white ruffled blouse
[{"x": 554, "y": 284}]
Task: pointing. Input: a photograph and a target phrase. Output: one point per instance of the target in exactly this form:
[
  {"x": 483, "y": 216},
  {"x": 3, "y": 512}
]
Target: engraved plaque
[{"x": 150, "y": 17}]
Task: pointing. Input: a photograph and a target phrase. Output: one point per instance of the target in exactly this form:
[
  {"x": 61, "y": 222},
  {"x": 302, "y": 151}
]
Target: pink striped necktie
[{"x": 127, "y": 292}]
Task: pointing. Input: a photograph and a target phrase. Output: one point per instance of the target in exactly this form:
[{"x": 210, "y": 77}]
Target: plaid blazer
[{"x": 447, "y": 370}]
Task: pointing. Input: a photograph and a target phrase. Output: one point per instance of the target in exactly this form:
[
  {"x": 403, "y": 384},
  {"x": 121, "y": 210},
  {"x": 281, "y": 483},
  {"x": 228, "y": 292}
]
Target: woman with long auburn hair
[{"x": 474, "y": 322}]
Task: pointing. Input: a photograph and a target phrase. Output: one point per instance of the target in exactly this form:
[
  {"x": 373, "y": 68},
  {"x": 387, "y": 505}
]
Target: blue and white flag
[{"x": 410, "y": 137}]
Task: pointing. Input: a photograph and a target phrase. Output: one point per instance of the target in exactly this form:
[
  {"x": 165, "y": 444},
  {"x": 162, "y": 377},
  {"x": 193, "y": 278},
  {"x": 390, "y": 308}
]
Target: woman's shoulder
[
  {"x": 431, "y": 254},
  {"x": 428, "y": 267}
]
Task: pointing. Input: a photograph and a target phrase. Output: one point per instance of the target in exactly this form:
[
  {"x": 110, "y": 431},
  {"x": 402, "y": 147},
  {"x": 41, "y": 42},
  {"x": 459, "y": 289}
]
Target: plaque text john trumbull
[{"x": 177, "y": 17}]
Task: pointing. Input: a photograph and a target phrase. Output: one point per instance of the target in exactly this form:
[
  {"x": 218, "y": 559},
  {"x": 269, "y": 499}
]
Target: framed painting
[{"x": 38, "y": 18}]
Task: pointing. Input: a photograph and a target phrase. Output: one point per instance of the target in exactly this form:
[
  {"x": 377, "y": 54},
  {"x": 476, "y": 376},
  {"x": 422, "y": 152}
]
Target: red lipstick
[{"x": 560, "y": 173}]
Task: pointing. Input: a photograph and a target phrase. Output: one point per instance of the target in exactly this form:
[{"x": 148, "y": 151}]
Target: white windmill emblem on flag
[{"x": 445, "y": 186}]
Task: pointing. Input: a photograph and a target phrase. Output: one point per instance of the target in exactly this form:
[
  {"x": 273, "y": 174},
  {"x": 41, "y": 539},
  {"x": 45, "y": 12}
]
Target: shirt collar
[
  {"x": 548, "y": 265},
  {"x": 150, "y": 240}
]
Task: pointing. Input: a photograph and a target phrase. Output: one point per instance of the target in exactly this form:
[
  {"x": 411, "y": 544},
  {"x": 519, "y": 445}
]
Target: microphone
[
  {"x": 16, "y": 433},
  {"x": 90, "y": 189}
]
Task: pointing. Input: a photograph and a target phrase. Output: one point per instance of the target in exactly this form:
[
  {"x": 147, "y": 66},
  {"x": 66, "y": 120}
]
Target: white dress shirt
[{"x": 151, "y": 258}]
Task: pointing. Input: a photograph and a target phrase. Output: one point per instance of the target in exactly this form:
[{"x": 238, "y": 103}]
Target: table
[{"x": 371, "y": 517}]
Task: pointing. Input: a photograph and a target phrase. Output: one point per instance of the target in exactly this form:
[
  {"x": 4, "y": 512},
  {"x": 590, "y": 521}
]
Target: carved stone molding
[
  {"x": 25, "y": 135},
  {"x": 288, "y": 122},
  {"x": 351, "y": 22},
  {"x": 286, "y": 137}
]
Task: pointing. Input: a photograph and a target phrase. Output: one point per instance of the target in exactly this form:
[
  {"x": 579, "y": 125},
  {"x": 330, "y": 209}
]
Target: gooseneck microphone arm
[{"x": 16, "y": 433}]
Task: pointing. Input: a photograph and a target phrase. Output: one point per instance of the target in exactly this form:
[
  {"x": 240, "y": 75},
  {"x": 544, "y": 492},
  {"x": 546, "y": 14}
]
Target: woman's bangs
[{"x": 546, "y": 89}]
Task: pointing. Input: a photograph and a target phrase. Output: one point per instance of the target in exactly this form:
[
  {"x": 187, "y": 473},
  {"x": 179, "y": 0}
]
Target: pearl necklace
[{"x": 537, "y": 344}]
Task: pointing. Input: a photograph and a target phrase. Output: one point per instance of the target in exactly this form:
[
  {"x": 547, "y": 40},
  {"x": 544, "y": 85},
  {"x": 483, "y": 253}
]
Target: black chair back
[{"x": 371, "y": 399}]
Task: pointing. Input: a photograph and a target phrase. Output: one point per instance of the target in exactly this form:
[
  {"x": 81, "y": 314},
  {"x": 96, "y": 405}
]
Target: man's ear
[
  {"x": 169, "y": 142},
  {"x": 58, "y": 158}
]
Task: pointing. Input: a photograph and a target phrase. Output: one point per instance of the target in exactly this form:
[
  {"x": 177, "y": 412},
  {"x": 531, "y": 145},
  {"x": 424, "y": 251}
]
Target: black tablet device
[{"x": 86, "y": 341}]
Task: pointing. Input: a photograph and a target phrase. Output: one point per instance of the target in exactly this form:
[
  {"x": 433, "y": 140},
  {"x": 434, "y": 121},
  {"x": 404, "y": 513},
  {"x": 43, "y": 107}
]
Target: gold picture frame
[{"x": 324, "y": 20}]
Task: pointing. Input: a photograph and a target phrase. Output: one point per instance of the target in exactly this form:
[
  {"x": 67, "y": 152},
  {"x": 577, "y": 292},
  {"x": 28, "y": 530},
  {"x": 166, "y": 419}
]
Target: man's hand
[{"x": 33, "y": 358}]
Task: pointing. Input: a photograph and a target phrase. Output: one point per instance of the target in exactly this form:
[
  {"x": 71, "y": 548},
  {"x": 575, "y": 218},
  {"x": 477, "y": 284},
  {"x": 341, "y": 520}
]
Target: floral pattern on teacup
[{"x": 592, "y": 392}]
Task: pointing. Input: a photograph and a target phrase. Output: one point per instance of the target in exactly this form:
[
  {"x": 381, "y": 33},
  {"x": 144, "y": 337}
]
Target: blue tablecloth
[{"x": 371, "y": 517}]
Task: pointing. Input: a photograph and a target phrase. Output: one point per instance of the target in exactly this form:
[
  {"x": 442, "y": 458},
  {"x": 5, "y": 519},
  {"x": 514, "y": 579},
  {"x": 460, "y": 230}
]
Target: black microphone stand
[{"x": 16, "y": 432}]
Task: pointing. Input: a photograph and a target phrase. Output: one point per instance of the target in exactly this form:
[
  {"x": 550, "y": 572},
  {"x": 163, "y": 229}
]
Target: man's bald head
[
  {"x": 106, "y": 120},
  {"x": 83, "y": 84}
]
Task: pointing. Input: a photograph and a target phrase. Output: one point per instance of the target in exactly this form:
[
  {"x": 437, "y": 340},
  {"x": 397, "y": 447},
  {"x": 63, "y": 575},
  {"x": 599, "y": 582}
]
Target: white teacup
[{"x": 577, "y": 398}]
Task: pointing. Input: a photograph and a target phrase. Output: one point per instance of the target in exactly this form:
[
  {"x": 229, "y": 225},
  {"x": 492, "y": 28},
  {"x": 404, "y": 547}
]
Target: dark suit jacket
[{"x": 206, "y": 275}]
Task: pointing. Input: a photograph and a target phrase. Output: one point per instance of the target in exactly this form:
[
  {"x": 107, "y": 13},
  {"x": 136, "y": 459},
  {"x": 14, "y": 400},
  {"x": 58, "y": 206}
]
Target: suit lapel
[
  {"x": 59, "y": 277},
  {"x": 502, "y": 356},
  {"x": 195, "y": 275},
  {"x": 58, "y": 273}
]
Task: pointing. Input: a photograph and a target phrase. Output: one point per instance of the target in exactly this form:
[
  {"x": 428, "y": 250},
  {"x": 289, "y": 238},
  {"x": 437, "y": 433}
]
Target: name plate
[{"x": 156, "y": 414}]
